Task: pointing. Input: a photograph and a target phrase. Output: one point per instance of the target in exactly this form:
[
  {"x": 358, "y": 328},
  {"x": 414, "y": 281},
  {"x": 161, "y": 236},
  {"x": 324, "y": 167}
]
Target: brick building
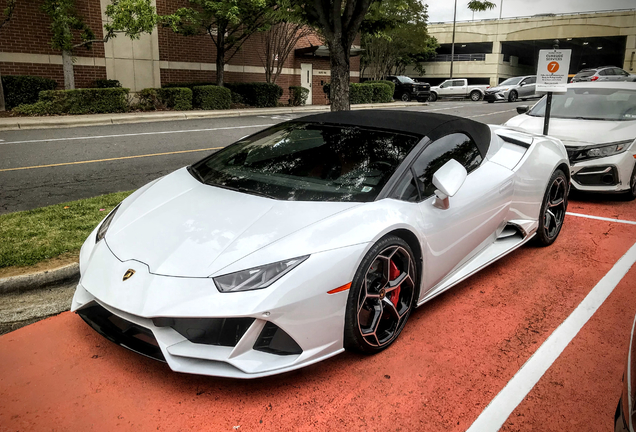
[{"x": 159, "y": 58}]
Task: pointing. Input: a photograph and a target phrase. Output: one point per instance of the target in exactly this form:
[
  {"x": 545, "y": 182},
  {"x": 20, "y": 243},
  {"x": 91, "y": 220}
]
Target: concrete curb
[
  {"x": 22, "y": 123},
  {"x": 66, "y": 274}
]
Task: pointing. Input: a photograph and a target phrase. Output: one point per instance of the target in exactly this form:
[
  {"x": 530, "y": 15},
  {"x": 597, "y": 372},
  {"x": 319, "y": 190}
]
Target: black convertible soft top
[{"x": 424, "y": 124}]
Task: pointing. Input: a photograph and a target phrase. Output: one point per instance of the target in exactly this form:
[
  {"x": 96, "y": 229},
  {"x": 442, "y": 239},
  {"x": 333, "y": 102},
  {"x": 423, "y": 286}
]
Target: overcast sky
[{"x": 442, "y": 10}]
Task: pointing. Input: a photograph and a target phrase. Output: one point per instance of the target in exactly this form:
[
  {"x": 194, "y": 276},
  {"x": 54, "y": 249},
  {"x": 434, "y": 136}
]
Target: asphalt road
[{"x": 50, "y": 166}]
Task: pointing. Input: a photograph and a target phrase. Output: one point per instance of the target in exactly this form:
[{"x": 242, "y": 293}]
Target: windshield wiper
[
  {"x": 242, "y": 189},
  {"x": 192, "y": 170}
]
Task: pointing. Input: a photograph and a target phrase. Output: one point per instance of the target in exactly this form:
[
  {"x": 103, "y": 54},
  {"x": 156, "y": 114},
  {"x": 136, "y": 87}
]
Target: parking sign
[{"x": 552, "y": 70}]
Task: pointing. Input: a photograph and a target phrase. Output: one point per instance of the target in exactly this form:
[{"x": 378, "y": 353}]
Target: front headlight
[
  {"x": 257, "y": 277},
  {"x": 602, "y": 150},
  {"x": 101, "y": 232}
]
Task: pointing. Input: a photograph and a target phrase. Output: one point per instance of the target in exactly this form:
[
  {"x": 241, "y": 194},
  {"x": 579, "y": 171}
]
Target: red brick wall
[
  {"x": 84, "y": 75},
  {"x": 184, "y": 75},
  {"x": 29, "y": 29}
]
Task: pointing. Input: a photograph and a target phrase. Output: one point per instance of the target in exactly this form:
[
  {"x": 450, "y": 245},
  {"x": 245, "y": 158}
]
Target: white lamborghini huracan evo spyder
[{"x": 314, "y": 236}]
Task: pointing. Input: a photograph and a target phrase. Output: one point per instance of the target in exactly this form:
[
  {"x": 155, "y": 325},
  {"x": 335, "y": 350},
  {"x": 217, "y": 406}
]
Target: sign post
[{"x": 552, "y": 76}]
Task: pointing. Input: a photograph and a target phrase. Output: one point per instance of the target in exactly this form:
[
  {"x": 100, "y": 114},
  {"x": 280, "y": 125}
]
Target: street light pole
[
  {"x": 453, "y": 42},
  {"x": 500, "y": 8}
]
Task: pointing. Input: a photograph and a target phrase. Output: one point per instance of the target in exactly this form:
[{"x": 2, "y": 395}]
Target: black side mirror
[{"x": 522, "y": 109}]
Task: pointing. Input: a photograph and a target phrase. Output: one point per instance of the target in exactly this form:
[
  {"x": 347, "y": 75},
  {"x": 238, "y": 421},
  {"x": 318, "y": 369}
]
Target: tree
[
  {"x": 475, "y": 6},
  {"x": 279, "y": 41},
  {"x": 394, "y": 36},
  {"x": 228, "y": 23},
  {"x": 7, "y": 15},
  {"x": 131, "y": 17},
  {"x": 339, "y": 23}
]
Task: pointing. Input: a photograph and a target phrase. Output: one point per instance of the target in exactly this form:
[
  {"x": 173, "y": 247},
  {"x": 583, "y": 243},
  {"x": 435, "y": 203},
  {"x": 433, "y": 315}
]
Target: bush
[
  {"x": 298, "y": 95},
  {"x": 177, "y": 98},
  {"x": 79, "y": 101},
  {"x": 257, "y": 94},
  {"x": 24, "y": 89},
  {"x": 387, "y": 82},
  {"x": 382, "y": 93},
  {"x": 106, "y": 83},
  {"x": 360, "y": 93},
  {"x": 212, "y": 97},
  {"x": 149, "y": 100}
]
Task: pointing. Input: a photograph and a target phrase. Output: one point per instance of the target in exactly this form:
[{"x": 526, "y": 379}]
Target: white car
[
  {"x": 314, "y": 236},
  {"x": 597, "y": 123}
]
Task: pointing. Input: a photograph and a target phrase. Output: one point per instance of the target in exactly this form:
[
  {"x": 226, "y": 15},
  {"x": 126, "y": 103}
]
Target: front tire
[
  {"x": 631, "y": 194},
  {"x": 405, "y": 97},
  {"x": 512, "y": 96},
  {"x": 555, "y": 204},
  {"x": 432, "y": 97},
  {"x": 381, "y": 297},
  {"x": 475, "y": 96}
]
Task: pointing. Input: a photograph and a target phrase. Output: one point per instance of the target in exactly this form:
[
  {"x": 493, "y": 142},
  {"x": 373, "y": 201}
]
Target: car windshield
[
  {"x": 511, "y": 81},
  {"x": 298, "y": 161},
  {"x": 406, "y": 80},
  {"x": 590, "y": 104}
]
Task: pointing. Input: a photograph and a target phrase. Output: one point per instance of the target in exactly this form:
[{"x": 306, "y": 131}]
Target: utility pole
[
  {"x": 453, "y": 42},
  {"x": 500, "y": 8}
]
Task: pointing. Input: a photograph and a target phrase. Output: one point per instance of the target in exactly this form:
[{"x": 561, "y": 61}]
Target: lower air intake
[{"x": 274, "y": 340}]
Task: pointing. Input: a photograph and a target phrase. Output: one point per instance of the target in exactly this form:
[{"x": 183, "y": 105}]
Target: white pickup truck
[{"x": 458, "y": 88}]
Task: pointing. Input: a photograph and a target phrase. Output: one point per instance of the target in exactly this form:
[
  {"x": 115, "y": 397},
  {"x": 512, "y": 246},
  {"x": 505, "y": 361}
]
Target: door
[
  {"x": 458, "y": 88},
  {"x": 527, "y": 87},
  {"x": 306, "y": 78},
  {"x": 455, "y": 234}
]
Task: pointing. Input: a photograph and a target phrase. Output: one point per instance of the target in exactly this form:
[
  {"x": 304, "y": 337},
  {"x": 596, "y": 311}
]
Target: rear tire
[
  {"x": 475, "y": 96},
  {"x": 381, "y": 297},
  {"x": 432, "y": 97},
  {"x": 512, "y": 96},
  {"x": 555, "y": 204}
]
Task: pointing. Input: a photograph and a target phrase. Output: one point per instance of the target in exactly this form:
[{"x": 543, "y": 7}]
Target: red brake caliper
[{"x": 394, "y": 296}]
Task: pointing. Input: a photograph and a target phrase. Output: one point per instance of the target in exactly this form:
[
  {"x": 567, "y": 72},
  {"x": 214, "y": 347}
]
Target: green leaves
[
  {"x": 131, "y": 17},
  {"x": 480, "y": 6}
]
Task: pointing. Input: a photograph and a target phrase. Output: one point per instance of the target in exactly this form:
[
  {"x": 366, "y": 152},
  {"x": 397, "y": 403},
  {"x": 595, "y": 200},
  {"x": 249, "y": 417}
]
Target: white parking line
[
  {"x": 498, "y": 411},
  {"x": 443, "y": 109},
  {"x": 134, "y": 134},
  {"x": 601, "y": 218},
  {"x": 492, "y": 113}
]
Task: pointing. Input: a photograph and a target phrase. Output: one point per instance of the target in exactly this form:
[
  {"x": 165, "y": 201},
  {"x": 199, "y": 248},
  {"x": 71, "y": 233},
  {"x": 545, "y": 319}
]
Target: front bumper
[
  {"x": 161, "y": 316},
  {"x": 498, "y": 96},
  {"x": 610, "y": 174}
]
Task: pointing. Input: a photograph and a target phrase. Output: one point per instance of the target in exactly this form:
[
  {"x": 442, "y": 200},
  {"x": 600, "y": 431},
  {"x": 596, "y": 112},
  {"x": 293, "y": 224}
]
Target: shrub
[
  {"x": 360, "y": 93},
  {"x": 79, "y": 101},
  {"x": 382, "y": 93},
  {"x": 24, "y": 89},
  {"x": 257, "y": 94},
  {"x": 212, "y": 97},
  {"x": 177, "y": 98},
  {"x": 106, "y": 83},
  {"x": 298, "y": 95},
  {"x": 149, "y": 100},
  {"x": 387, "y": 82}
]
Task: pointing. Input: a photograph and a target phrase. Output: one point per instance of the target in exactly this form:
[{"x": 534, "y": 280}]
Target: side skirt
[{"x": 501, "y": 247}]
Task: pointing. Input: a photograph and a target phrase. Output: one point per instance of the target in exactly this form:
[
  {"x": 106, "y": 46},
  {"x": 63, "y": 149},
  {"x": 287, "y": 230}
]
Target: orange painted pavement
[{"x": 455, "y": 354}]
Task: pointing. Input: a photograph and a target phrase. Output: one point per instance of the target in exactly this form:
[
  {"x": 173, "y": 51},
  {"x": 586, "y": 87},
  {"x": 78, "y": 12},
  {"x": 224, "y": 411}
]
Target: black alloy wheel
[
  {"x": 405, "y": 97},
  {"x": 555, "y": 204},
  {"x": 632, "y": 190},
  {"x": 381, "y": 297},
  {"x": 475, "y": 96},
  {"x": 512, "y": 96}
]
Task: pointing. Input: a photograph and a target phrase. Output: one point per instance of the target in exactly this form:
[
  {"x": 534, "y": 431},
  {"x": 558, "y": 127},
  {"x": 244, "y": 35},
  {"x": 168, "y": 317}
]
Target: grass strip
[{"x": 32, "y": 236}]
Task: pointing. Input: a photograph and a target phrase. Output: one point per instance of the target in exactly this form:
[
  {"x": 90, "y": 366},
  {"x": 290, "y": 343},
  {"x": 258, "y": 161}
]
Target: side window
[
  {"x": 531, "y": 80},
  {"x": 446, "y": 84},
  {"x": 620, "y": 72},
  {"x": 407, "y": 189},
  {"x": 606, "y": 72},
  {"x": 458, "y": 83},
  {"x": 456, "y": 146}
]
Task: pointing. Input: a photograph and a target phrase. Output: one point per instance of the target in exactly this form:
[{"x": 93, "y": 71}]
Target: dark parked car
[
  {"x": 603, "y": 73},
  {"x": 407, "y": 89}
]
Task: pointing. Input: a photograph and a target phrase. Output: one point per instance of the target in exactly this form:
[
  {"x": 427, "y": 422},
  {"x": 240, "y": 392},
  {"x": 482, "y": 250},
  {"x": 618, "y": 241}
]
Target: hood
[
  {"x": 180, "y": 227},
  {"x": 577, "y": 133}
]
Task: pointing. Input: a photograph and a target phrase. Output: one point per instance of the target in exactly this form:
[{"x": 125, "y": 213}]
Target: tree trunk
[
  {"x": 339, "y": 87},
  {"x": 3, "y": 106},
  {"x": 220, "y": 55},
  {"x": 67, "y": 65}
]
